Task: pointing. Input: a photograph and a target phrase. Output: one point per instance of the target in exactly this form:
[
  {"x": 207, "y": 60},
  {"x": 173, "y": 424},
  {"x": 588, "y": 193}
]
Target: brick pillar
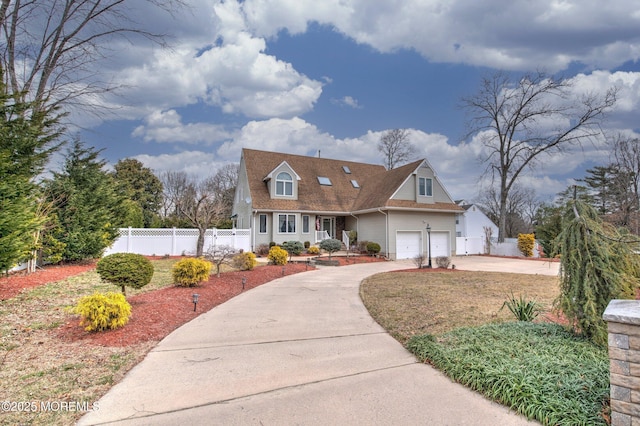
[{"x": 623, "y": 319}]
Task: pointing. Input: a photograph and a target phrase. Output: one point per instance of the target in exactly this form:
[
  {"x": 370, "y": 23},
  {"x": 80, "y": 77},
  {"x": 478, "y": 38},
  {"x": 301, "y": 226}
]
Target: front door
[{"x": 328, "y": 223}]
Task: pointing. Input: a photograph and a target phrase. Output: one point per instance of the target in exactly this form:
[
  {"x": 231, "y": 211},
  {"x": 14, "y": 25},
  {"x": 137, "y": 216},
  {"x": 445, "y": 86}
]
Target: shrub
[
  {"x": 244, "y": 261},
  {"x": 443, "y": 261},
  {"x": 307, "y": 244},
  {"x": 278, "y": 256},
  {"x": 353, "y": 237},
  {"x": 419, "y": 260},
  {"x": 313, "y": 250},
  {"x": 272, "y": 244},
  {"x": 523, "y": 310},
  {"x": 331, "y": 245},
  {"x": 373, "y": 248},
  {"x": 526, "y": 242},
  {"x": 262, "y": 250},
  {"x": 125, "y": 269},
  {"x": 294, "y": 248},
  {"x": 103, "y": 311},
  {"x": 191, "y": 271},
  {"x": 362, "y": 246}
]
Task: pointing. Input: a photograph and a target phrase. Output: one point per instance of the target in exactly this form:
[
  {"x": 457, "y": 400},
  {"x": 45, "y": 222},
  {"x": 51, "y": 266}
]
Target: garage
[
  {"x": 408, "y": 244},
  {"x": 440, "y": 244}
]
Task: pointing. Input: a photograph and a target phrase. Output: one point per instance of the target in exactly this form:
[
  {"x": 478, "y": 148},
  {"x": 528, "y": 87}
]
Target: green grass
[{"x": 539, "y": 370}]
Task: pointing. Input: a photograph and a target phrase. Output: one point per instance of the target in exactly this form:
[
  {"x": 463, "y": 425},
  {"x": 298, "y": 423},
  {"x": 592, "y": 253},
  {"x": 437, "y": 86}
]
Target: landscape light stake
[
  {"x": 244, "y": 281},
  {"x": 283, "y": 271},
  {"x": 195, "y": 300},
  {"x": 429, "y": 244}
]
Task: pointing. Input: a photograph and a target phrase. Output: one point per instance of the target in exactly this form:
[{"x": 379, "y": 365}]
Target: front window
[
  {"x": 425, "y": 187},
  {"x": 284, "y": 184},
  {"x": 263, "y": 224},
  {"x": 287, "y": 223},
  {"x": 305, "y": 224}
]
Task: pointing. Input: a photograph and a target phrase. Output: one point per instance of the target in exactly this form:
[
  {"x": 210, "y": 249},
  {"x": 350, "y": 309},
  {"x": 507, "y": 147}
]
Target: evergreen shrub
[
  {"x": 373, "y": 248},
  {"x": 526, "y": 243},
  {"x": 245, "y": 261},
  {"x": 278, "y": 256},
  {"x": 190, "y": 272},
  {"x": 103, "y": 311},
  {"x": 125, "y": 270}
]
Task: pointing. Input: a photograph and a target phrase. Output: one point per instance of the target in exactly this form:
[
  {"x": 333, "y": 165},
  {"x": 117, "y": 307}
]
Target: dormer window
[
  {"x": 284, "y": 184},
  {"x": 425, "y": 187}
]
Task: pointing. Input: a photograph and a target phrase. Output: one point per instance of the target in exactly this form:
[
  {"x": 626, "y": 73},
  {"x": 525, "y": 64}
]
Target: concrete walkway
[{"x": 299, "y": 350}]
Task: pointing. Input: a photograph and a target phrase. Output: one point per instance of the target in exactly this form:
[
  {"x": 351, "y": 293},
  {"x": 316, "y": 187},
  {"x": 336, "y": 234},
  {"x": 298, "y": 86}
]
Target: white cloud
[
  {"x": 509, "y": 35},
  {"x": 348, "y": 101},
  {"x": 167, "y": 127},
  {"x": 195, "y": 163}
]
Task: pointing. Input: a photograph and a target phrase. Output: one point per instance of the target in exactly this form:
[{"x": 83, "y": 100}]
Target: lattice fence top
[{"x": 163, "y": 232}]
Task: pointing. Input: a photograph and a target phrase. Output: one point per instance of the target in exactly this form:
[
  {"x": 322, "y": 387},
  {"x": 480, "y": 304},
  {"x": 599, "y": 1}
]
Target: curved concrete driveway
[{"x": 299, "y": 350}]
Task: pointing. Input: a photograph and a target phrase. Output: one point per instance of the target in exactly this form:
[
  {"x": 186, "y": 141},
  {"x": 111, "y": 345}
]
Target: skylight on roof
[
  {"x": 346, "y": 169},
  {"x": 355, "y": 183},
  {"x": 324, "y": 180}
]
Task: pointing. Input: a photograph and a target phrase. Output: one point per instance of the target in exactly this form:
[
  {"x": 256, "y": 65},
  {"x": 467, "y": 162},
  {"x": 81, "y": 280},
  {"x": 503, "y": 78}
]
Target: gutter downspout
[
  {"x": 386, "y": 231},
  {"x": 357, "y": 223},
  {"x": 253, "y": 232}
]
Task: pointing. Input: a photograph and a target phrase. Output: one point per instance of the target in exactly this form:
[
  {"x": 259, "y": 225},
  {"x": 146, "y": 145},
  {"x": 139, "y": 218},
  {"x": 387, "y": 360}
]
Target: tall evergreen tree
[
  {"x": 140, "y": 185},
  {"x": 27, "y": 140},
  {"x": 86, "y": 203}
]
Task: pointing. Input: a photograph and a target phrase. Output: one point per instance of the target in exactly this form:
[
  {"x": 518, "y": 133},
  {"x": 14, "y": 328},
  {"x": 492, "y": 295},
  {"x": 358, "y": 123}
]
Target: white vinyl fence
[
  {"x": 467, "y": 246},
  {"x": 176, "y": 241}
]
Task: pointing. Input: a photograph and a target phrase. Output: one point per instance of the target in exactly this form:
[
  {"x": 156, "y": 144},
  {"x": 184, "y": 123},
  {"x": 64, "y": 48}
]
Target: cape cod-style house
[{"x": 284, "y": 197}]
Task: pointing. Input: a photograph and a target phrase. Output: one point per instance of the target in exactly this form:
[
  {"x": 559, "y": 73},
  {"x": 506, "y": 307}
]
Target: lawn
[{"x": 455, "y": 321}]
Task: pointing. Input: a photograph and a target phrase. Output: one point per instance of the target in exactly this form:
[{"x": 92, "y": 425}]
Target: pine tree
[
  {"x": 141, "y": 186},
  {"x": 86, "y": 204},
  {"x": 597, "y": 265},
  {"x": 27, "y": 139}
]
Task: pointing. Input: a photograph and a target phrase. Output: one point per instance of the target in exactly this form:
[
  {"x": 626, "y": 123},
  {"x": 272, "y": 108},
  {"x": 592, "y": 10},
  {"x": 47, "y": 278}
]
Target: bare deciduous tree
[
  {"x": 394, "y": 145},
  {"x": 48, "y": 47},
  {"x": 520, "y": 209},
  {"x": 626, "y": 152},
  {"x": 520, "y": 121},
  {"x": 199, "y": 202}
]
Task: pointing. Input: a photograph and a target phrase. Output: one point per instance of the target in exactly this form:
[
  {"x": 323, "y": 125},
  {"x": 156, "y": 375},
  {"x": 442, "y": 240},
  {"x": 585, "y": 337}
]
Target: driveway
[{"x": 299, "y": 350}]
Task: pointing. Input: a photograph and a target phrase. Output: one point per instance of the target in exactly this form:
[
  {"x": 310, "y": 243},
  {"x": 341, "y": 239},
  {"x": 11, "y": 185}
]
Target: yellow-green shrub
[
  {"x": 278, "y": 256},
  {"x": 103, "y": 311},
  {"x": 313, "y": 250},
  {"x": 526, "y": 243},
  {"x": 245, "y": 261},
  {"x": 190, "y": 271}
]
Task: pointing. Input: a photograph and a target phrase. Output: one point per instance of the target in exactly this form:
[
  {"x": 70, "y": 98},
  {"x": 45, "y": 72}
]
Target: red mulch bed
[
  {"x": 17, "y": 282},
  {"x": 157, "y": 313}
]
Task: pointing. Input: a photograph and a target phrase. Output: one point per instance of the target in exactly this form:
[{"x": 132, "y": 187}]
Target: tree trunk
[{"x": 200, "y": 243}]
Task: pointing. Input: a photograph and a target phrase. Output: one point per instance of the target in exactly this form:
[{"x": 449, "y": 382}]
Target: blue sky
[{"x": 300, "y": 76}]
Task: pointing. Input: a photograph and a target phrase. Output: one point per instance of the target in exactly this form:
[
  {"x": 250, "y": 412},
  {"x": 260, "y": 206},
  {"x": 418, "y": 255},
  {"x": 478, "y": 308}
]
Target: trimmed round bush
[
  {"x": 278, "y": 256},
  {"x": 244, "y": 261},
  {"x": 331, "y": 245},
  {"x": 103, "y": 311},
  {"x": 190, "y": 271},
  {"x": 313, "y": 250},
  {"x": 294, "y": 248},
  {"x": 125, "y": 270},
  {"x": 373, "y": 248}
]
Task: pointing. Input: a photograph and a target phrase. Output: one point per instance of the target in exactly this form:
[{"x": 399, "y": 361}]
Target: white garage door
[
  {"x": 407, "y": 244},
  {"x": 440, "y": 244}
]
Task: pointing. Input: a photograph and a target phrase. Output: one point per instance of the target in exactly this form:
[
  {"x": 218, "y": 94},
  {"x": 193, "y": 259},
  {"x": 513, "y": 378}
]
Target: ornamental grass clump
[
  {"x": 125, "y": 270},
  {"x": 190, "y": 272},
  {"x": 103, "y": 311},
  {"x": 522, "y": 309}
]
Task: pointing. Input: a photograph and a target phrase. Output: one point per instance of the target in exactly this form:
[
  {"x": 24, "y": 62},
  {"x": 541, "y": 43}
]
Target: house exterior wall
[
  {"x": 417, "y": 221},
  {"x": 409, "y": 189},
  {"x": 242, "y": 203},
  {"x": 472, "y": 222},
  {"x": 371, "y": 227}
]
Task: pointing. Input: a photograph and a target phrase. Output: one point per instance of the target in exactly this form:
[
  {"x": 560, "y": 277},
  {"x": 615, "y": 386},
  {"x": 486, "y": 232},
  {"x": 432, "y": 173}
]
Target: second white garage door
[
  {"x": 408, "y": 244},
  {"x": 440, "y": 244}
]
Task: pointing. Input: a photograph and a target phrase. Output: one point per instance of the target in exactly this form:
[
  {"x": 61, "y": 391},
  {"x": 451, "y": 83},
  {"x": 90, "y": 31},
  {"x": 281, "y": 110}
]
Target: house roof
[{"x": 376, "y": 184}]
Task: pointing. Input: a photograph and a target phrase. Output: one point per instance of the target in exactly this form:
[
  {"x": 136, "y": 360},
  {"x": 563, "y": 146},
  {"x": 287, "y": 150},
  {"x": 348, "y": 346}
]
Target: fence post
[
  {"x": 129, "y": 240},
  {"x": 623, "y": 321},
  {"x": 173, "y": 241}
]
